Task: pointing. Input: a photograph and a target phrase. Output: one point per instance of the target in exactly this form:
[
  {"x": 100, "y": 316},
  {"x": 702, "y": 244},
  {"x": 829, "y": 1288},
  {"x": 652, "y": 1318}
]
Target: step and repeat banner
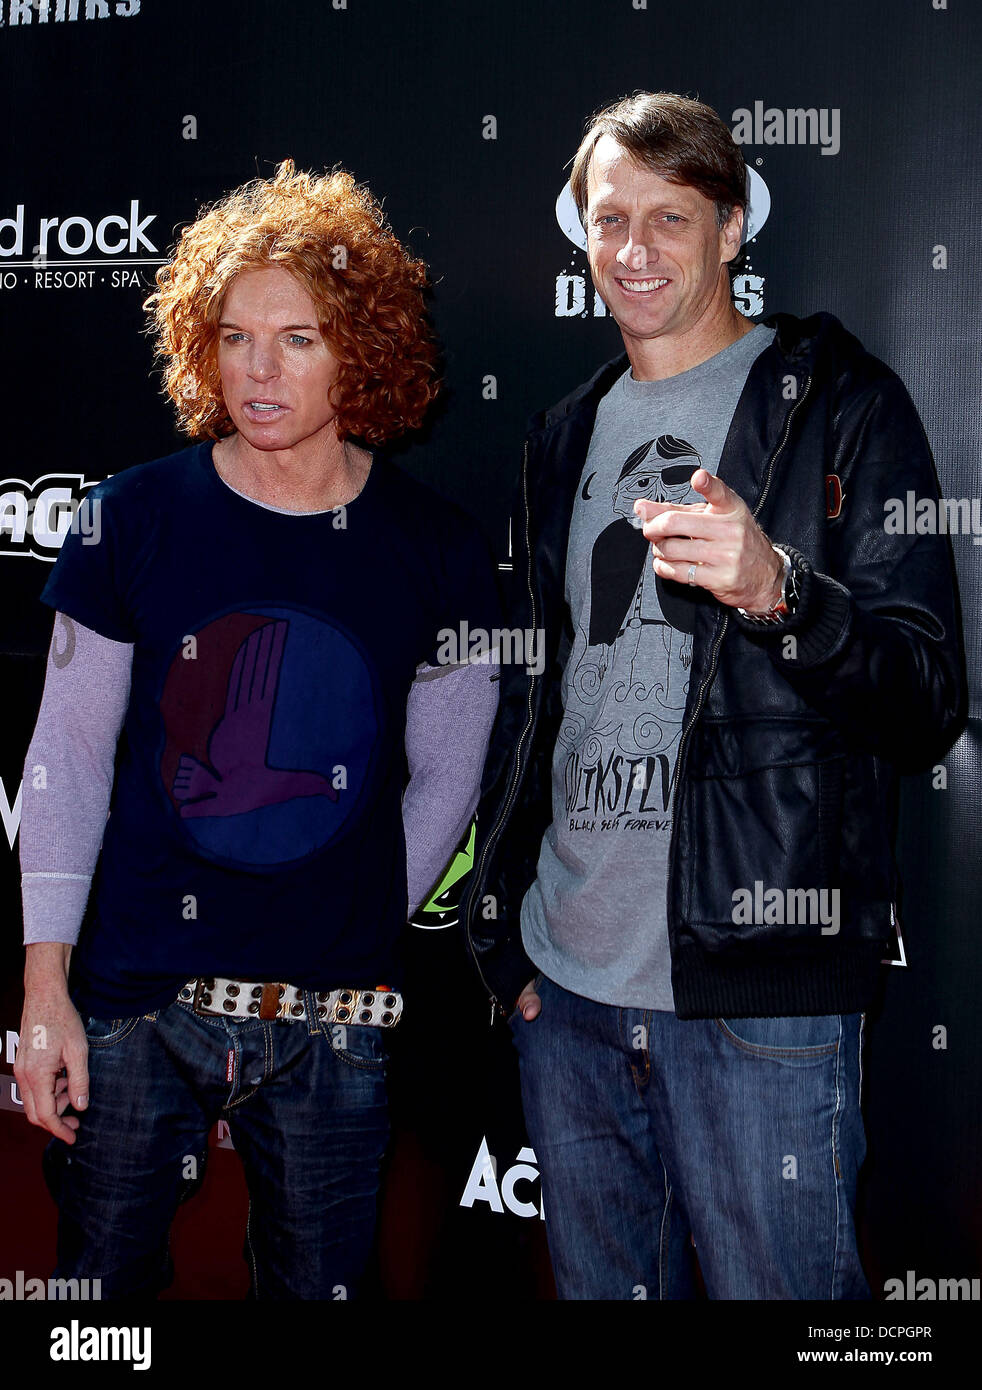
[{"x": 861, "y": 124}]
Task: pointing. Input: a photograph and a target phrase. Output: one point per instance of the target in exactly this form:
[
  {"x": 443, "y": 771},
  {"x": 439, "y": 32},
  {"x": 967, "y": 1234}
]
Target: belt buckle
[{"x": 199, "y": 990}]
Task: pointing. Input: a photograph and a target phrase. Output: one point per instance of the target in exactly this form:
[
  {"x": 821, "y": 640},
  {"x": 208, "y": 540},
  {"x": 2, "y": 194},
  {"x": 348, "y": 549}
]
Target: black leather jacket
[{"x": 787, "y": 762}]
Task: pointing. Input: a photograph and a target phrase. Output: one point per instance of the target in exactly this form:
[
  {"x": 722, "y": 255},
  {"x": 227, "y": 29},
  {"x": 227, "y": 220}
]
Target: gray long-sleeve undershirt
[{"x": 68, "y": 772}]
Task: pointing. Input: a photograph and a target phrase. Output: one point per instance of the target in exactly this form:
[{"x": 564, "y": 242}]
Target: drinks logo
[{"x": 18, "y": 14}]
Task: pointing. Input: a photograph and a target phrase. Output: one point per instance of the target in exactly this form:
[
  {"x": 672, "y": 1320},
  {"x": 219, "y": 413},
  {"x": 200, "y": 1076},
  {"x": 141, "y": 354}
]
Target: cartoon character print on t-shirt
[
  {"x": 627, "y": 677},
  {"x": 270, "y": 729}
]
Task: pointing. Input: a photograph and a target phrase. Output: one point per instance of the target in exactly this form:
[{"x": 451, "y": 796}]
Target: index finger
[
  {"x": 700, "y": 526},
  {"x": 670, "y": 506},
  {"x": 645, "y": 510}
]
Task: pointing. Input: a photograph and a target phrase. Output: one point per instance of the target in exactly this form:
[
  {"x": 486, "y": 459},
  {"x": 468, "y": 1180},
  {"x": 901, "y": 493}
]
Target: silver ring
[{"x": 692, "y": 573}]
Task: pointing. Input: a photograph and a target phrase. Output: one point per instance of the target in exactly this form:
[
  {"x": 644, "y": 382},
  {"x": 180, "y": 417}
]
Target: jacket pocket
[{"x": 764, "y": 855}]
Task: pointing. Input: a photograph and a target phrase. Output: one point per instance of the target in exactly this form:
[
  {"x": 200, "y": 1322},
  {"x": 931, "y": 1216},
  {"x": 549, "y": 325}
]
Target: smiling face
[
  {"x": 656, "y": 253},
  {"x": 275, "y": 364}
]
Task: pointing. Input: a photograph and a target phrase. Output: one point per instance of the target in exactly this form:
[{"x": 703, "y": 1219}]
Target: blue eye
[{"x": 299, "y": 339}]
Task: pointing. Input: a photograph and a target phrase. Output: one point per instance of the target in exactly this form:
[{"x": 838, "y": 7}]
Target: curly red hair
[{"x": 330, "y": 234}]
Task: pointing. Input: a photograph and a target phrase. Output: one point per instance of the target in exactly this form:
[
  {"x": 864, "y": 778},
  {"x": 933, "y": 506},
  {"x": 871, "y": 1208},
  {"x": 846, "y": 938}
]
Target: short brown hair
[
  {"x": 683, "y": 140},
  {"x": 330, "y": 234}
]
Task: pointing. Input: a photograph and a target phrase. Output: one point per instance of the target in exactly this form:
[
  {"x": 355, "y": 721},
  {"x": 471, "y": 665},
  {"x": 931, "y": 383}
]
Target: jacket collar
[{"x": 801, "y": 346}]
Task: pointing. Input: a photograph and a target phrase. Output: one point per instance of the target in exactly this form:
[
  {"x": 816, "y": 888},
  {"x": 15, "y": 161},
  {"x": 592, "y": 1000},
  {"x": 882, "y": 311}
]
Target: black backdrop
[{"x": 462, "y": 117}]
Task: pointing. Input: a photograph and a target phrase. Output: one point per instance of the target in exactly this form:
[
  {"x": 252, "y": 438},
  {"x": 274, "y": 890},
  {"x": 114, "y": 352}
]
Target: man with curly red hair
[{"x": 244, "y": 670}]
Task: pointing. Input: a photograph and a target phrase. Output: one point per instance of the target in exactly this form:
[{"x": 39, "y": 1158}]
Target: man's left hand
[{"x": 733, "y": 558}]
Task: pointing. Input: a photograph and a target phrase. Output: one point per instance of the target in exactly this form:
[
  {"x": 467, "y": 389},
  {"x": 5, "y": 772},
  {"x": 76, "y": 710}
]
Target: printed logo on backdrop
[
  {"x": 19, "y": 13},
  {"x": 576, "y": 296},
  {"x": 58, "y": 250},
  {"x": 36, "y": 517},
  {"x": 442, "y": 908},
  {"x": 514, "y": 1191}
]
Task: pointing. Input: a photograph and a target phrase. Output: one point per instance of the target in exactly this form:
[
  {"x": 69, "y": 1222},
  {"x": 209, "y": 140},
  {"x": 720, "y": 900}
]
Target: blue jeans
[
  {"x": 306, "y": 1109},
  {"x": 740, "y": 1136}
]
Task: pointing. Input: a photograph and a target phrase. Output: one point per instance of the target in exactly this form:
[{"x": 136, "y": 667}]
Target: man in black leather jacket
[{"x": 690, "y": 1041}]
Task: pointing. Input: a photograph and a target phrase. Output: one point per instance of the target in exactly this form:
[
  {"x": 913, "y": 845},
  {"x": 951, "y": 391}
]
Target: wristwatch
[{"x": 786, "y": 604}]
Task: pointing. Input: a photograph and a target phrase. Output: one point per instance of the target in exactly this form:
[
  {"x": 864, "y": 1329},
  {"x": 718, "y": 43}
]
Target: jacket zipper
[
  {"x": 784, "y": 439},
  {"x": 516, "y": 772},
  {"x": 714, "y": 654}
]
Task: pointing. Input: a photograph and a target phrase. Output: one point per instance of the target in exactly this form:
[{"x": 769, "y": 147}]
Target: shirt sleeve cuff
[{"x": 54, "y": 905}]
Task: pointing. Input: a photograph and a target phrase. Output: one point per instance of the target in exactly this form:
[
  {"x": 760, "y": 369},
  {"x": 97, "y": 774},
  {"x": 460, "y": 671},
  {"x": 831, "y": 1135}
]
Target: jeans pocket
[
  {"x": 361, "y": 1045},
  {"x": 804, "y": 1039},
  {"x": 536, "y": 986},
  {"x": 104, "y": 1032}
]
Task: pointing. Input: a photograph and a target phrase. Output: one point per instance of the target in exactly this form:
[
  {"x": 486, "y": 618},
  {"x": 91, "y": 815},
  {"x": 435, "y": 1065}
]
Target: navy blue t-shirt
[{"x": 255, "y": 828}]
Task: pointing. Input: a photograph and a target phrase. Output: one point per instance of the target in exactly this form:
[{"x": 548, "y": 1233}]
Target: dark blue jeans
[
  {"x": 307, "y": 1112},
  {"x": 742, "y": 1136}
]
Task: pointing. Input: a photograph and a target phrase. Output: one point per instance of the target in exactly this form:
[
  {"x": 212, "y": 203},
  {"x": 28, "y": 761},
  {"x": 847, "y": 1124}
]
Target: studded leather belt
[{"x": 216, "y": 996}]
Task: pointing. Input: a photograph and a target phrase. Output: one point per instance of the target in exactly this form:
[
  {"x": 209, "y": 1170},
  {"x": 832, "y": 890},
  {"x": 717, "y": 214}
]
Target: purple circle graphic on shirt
[{"x": 270, "y": 728}]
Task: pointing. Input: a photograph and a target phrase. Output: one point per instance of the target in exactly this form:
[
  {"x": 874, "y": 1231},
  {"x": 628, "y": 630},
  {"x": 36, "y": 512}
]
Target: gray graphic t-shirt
[{"x": 595, "y": 919}]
